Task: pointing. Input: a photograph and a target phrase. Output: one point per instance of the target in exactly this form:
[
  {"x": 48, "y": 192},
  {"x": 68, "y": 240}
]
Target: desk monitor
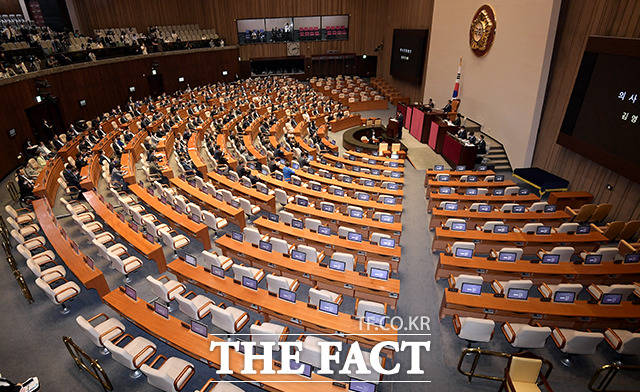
[
  {"x": 295, "y": 165},
  {"x": 392, "y": 186},
  {"x": 482, "y": 168},
  {"x": 150, "y": 191},
  {"x": 375, "y": 172},
  {"x": 498, "y": 192},
  {"x": 324, "y": 230},
  {"x": 130, "y": 292},
  {"x": 499, "y": 177},
  {"x": 565, "y": 297},
  {"x": 299, "y": 256},
  {"x": 219, "y": 196},
  {"x": 235, "y": 203},
  {"x": 484, "y": 208},
  {"x": 302, "y": 202},
  {"x": 89, "y": 261},
  {"x": 327, "y": 207},
  {"x": 472, "y": 178},
  {"x": 461, "y": 168},
  {"x": 316, "y": 187},
  {"x": 390, "y": 200},
  {"x": 356, "y": 385},
  {"x": 339, "y": 165},
  {"x": 543, "y": 230},
  {"x": 217, "y": 271},
  {"x": 583, "y": 229},
  {"x": 515, "y": 293},
  {"x": 632, "y": 258},
  {"x": 379, "y": 273},
  {"x": 459, "y": 226},
  {"x": 287, "y": 295},
  {"x": 438, "y": 167},
  {"x": 444, "y": 190},
  {"x": 195, "y": 217},
  {"x": 191, "y": 260},
  {"x": 339, "y": 192},
  {"x": 279, "y": 177},
  {"x": 353, "y": 236},
  {"x": 355, "y": 168},
  {"x": 296, "y": 181},
  {"x": 274, "y": 217},
  {"x": 387, "y": 242},
  {"x": 328, "y": 307},
  {"x": 264, "y": 245},
  {"x": 355, "y": 214},
  {"x": 523, "y": 191},
  {"x": 550, "y": 208},
  {"x": 611, "y": 299},
  {"x": 518, "y": 209},
  {"x": 363, "y": 196},
  {"x": 393, "y": 164},
  {"x": 297, "y": 224},
  {"x": 471, "y": 288},
  {"x": 346, "y": 179},
  {"x": 368, "y": 183},
  {"x": 163, "y": 199},
  {"x": 249, "y": 283},
  {"x": 306, "y": 368},
  {"x": 507, "y": 256},
  {"x": 330, "y": 176},
  {"x": 465, "y": 253},
  {"x": 451, "y": 206},
  {"x": 120, "y": 216},
  {"x": 161, "y": 309},
  {"x": 337, "y": 265},
  {"x": 199, "y": 329},
  {"x": 593, "y": 259},
  {"x": 550, "y": 259},
  {"x": 396, "y": 174},
  {"x": 375, "y": 318},
  {"x": 149, "y": 237},
  {"x": 386, "y": 218},
  {"x": 501, "y": 229},
  {"x": 311, "y": 170},
  {"x": 237, "y": 236},
  {"x": 471, "y": 191}
]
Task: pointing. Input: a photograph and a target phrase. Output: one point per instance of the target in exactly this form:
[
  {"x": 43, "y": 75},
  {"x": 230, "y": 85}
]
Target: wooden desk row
[
  {"x": 370, "y": 206},
  {"x": 364, "y": 225},
  {"x": 579, "y": 315},
  {"x": 530, "y": 243},
  {"x": 172, "y": 332},
  {"x": 349, "y": 283},
  {"x": 209, "y": 202},
  {"x": 358, "y": 162},
  {"x": 265, "y": 202},
  {"x": 466, "y": 200},
  {"x": 349, "y": 187},
  {"x": 431, "y": 174},
  {"x": 297, "y": 314},
  {"x": 362, "y": 251},
  {"x": 473, "y": 218},
  {"x": 434, "y": 185},
  {"x": 605, "y": 273},
  {"x": 176, "y": 219},
  {"x": 46, "y": 184},
  {"x": 379, "y": 179},
  {"x": 378, "y": 158},
  {"x": 91, "y": 278},
  {"x": 136, "y": 239}
]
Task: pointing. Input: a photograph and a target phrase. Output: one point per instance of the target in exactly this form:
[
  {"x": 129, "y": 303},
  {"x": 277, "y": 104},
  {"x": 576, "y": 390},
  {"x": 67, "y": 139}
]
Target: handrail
[
  {"x": 478, "y": 353},
  {"x": 14, "y": 267},
  {"x": 94, "y": 368},
  {"x": 603, "y": 377}
]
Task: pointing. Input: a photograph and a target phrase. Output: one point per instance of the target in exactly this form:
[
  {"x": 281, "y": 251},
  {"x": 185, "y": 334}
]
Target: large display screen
[
  {"x": 602, "y": 121},
  {"x": 407, "y": 54}
]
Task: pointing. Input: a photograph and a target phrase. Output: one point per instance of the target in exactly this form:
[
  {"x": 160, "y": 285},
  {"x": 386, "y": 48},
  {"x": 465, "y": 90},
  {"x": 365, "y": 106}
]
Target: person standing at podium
[{"x": 400, "y": 119}]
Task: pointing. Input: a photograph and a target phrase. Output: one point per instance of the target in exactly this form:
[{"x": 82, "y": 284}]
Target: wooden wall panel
[
  {"x": 579, "y": 20},
  {"x": 408, "y": 14},
  {"x": 10, "y": 7},
  {"x": 103, "y": 86}
]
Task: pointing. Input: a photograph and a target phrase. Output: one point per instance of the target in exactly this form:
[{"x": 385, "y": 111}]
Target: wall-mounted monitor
[{"x": 408, "y": 55}]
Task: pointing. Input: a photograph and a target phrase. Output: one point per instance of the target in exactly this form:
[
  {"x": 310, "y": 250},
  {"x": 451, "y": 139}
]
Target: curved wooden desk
[
  {"x": 466, "y": 200},
  {"x": 349, "y": 283},
  {"x": 378, "y": 178},
  {"x": 348, "y": 162},
  {"x": 265, "y": 202},
  {"x": 440, "y": 216},
  {"x": 349, "y": 186}
]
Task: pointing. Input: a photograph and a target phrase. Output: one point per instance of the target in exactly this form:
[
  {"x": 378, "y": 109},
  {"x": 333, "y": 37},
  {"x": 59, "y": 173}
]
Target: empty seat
[
  {"x": 312, "y": 224},
  {"x": 253, "y": 236},
  {"x": 223, "y": 262},
  {"x": 125, "y": 266},
  {"x": 525, "y": 336},
  {"x": 172, "y": 375},
  {"x": 31, "y": 243},
  {"x": 38, "y": 258},
  {"x": 281, "y": 246},
  {"x": 549, "y": 290},
  {"x": 511, "y": 190},
  {"x": 457, "y": 281},
  {"x": 530, "y": 228},
  {"x": 518, "y": 253},
  {"x": 375, "y": 237},
  {"x": 316, "y": 295},
  {"x": 286, "y": 217},
  {"x": 164, "y": 288},
  {"x": 583, "y": 214},
  {"x": 26, "y": 230},
  {"x": 247, "y": 207},
  {"x": 228, "y": 318},
  {"x": 502, "y": 287},
  {"x": 275, "y": 283},
  {"x": 449, "y": 222},
  {"x": 473, "y": 329},
  {"x": 567, "y": 227},
  {"x": 522, "y": 374},
  {"x": 212, "y": 221},
  {"x": 311, "y": 352},
  {"x": 347, "y": 258},
  {"x": 176, "y": 241},
  {"x": 489, "y": 225},
  {"x": 240, "y": 270},
  {"x": 21, "y": 215},
  {"x": 570, "y": 341},
  {"x": 108, "y": 328},
  {"x": 363, "y": 306},
  {"x": 61, "y": 293},
  {"x": 133, "y": 354},
  {"x": 381, "y": 265},
  {"x": 598, "y": 290},
  {"x": 565, "y": 253},
  {"x": 46, "y": 270},
  {"x": 311, "y": 253},
  {"x": 538, "y": 206},
  {"x": 624, "y": 342},
  {"x": 507, "y": 207},
  {"x": 452, "y": 249},
  {"x": 268, "y": 332}
]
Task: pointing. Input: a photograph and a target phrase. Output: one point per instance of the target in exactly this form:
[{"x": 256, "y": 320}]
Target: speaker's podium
[{"x": 393, "y": 130}]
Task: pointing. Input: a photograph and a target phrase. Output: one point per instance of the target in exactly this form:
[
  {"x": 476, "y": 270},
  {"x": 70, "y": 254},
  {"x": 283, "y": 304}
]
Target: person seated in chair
[
  {"x": 481, "y": 145},
  {"x": 472, "y": 138},
  {"x": 447, "y": 108},
  {"x": 462, "y": 133},
  {"x": 458, "y": 120}
]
